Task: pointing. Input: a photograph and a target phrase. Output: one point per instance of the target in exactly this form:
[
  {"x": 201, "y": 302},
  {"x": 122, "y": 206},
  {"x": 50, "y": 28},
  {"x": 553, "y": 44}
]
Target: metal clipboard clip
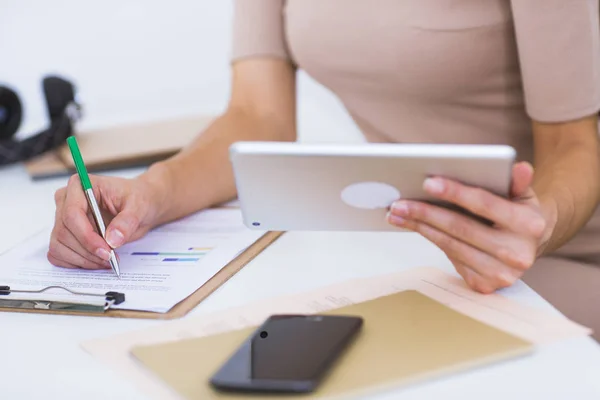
[{"x": 102, "y": 302}]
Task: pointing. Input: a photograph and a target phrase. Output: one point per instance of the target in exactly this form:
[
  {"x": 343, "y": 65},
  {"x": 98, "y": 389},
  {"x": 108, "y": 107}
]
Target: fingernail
[
  {"x": 103, "y": 254},
  {"x": 114, "y": 238},
  {"x": 433, "y": 185},
  {"x": 400, "y": 209},
  {"x": 395, "y": 220}
]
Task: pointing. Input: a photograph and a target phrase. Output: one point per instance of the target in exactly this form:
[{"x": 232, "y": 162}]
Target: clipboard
[
  {"x": 123, "y": 146},
  {"x": 101, "y": 305}
]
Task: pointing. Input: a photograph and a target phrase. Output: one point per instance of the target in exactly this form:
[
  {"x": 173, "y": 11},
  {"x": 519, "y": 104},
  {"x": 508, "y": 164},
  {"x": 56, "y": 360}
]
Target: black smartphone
[{"x": 288, "y": 353}]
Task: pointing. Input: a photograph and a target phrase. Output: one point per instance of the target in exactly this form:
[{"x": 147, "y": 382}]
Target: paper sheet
[
  {"x": 530, "y": 324},
  {"x": 157, "y": 271}
]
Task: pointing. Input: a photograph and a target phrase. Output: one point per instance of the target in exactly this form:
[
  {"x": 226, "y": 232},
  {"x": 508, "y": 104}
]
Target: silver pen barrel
[{"x": 114, "y": 263}]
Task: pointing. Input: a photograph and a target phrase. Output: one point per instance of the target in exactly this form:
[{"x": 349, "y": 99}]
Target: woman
[{"x": 523, "y": 73}]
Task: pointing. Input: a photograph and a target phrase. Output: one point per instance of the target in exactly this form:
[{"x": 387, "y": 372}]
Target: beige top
[{"x": 441, "y": 71}]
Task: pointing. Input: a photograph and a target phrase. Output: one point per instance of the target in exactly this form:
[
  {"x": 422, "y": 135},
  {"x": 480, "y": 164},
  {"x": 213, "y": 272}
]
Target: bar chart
[{"x": 189, "y": 255}]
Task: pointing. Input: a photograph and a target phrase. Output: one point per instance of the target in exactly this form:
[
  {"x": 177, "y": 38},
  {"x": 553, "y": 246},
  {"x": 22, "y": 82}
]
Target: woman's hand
[
  {"x": 129, "y": 206},
  {"x": 487, "y": 257}
]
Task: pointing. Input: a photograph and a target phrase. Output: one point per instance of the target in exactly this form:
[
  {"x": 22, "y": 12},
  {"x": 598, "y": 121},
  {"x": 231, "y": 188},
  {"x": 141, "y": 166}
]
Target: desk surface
[{"x": 41, "y": 356}]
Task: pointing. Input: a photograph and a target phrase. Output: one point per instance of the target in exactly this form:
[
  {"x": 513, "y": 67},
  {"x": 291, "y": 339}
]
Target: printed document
[{"x": 157, "y": 271}]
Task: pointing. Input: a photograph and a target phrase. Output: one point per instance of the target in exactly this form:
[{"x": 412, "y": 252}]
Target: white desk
[{"x": 41, "y": 357}]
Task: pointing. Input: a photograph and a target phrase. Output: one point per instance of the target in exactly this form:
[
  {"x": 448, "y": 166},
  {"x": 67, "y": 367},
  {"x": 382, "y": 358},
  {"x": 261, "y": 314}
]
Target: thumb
[
  {"x": 123, "y": 227},
  {"x": 522, "y": 178}
]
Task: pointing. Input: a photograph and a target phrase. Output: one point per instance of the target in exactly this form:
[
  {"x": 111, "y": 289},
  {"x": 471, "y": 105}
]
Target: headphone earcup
[
  {"x": 11, "y": 113},
  {"x": 12, "y": 151},
  {"x": 58, "y": 93}
]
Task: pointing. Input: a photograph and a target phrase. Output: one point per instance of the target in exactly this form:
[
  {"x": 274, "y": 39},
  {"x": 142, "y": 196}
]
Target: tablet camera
[{"x": 264, "y": 334}]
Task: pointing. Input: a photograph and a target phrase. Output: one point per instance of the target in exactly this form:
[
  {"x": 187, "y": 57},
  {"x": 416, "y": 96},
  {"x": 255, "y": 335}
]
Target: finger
[
  {"x": 60, "y": 263},
  {"x": 474, "y": 280},
  {"x": 76, "y": 219},
  {"x": 65, "y": 264},
  {"x": 65, "y": 236},
  {"x": 59, "y": 197},
  {"x": 62, "y": 236},
  {"x": 522, "y": 174},
  {"x": 496, "y": 273},
  {"x": 506, "y": 247},
  {"x": 125, "y": 225},
  {"x": 61, "y": 255},
  {"x": 504, "y": 213}
]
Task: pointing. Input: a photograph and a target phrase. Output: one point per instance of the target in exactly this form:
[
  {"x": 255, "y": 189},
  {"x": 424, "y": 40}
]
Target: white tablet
[{"x": 285, "y": 186}]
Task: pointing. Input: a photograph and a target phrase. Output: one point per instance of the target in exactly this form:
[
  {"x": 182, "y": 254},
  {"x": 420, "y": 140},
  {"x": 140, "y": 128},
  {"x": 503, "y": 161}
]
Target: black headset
[{"x": 63, "y": 111}]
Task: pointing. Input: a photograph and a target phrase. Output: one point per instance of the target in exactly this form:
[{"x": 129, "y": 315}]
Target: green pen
[{"x": 89, "y": 193}]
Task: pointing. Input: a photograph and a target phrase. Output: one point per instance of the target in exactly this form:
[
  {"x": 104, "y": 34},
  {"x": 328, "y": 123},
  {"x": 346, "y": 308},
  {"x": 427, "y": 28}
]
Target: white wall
[{"x": 137, "y": 60}]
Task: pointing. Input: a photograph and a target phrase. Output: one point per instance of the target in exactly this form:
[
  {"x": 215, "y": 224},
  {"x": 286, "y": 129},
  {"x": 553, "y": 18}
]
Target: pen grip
[{"x": 96, "y": 212}]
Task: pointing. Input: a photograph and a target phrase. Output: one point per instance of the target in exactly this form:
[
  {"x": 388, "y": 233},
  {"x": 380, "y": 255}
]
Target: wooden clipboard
[{"x": 187, "y": 304}]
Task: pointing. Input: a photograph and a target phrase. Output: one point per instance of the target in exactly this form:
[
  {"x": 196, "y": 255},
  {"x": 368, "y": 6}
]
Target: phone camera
[
  {"x": 256, "y": 223},
  {"x": 264, "y": 334}
]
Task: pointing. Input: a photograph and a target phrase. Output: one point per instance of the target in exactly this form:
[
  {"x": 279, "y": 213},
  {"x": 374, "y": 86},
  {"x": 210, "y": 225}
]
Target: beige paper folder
[
  {"x": 124, "y": 146},
  {"x": 406, "y": 337}
]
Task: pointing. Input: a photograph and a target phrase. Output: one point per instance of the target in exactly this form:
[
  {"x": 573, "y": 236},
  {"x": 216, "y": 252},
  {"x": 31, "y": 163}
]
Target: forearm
[
  {"x": 201, "y": 176},
  {"x": 567, "y": 182}
]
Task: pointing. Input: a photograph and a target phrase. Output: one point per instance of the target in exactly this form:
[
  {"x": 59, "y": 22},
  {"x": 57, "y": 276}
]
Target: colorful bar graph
[
  {"x": 159, "y": 253},
  {"x": 170, "y": 257}
]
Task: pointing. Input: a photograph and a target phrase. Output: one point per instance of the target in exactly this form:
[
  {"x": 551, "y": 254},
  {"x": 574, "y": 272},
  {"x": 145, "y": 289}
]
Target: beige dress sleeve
[
  {"x": 258, "y": 29},
  {"x": 559, "y": 53}
]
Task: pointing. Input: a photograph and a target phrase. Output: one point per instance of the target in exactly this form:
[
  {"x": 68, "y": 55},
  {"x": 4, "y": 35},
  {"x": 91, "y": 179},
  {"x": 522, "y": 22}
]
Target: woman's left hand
[{"x": 487, "y": 257}]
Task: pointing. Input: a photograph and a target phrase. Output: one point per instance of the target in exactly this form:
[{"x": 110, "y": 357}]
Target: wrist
[
  {"x": 158, "y": 183},
  {"x": 549, "y": 209}
]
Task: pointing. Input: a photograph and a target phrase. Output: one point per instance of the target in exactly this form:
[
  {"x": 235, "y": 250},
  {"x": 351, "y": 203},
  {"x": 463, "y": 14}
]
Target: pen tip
[{"x": 115, "y": 264}]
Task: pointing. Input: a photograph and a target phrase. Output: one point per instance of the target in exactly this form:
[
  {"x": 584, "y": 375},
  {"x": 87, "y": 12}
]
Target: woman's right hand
[{"x": 130, "y": 208}]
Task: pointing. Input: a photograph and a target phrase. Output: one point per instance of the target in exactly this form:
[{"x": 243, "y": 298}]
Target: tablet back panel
[{"x": 290, "y": 186}]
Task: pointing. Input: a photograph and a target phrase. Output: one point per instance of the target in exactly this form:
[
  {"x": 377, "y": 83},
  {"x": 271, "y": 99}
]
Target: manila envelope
[{"x": 406, "y": 337}]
